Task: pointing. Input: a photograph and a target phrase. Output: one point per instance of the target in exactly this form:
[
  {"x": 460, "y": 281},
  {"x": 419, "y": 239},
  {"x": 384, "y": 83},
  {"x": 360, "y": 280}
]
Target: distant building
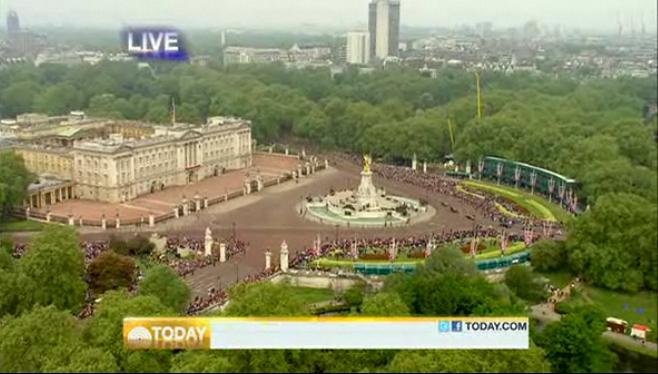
[
  {"x": 358, "y": 47},
  {"x": 20, "y": 42},
  {"x": 384, "y": 28},
  {"x": 246, "y": 55},
  {"x": 13, "y": 23}
]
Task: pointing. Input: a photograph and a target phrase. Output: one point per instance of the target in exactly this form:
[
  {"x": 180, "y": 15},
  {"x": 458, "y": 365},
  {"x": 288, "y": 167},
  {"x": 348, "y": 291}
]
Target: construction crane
[
  {"x": 479, "y": 95},
  {"x": 451, "y": 131}
]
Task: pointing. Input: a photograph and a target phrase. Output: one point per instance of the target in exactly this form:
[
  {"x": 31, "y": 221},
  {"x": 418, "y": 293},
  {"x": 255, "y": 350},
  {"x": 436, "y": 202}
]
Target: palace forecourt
[{"x": 108, "y": 173}]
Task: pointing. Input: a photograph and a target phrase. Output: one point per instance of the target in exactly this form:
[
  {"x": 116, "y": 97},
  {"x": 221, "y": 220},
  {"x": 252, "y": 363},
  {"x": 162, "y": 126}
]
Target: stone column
[
  {"x": 118, "y": 222},
  {"x": 103, "y": 222},
  {"x": 186, "y": 207},
  {"x": 278, "y": 180},
  {"x": 283, "y": 257},
  {"x": 27, "y": 212},
  {"x": 176, "y": 212},
  {"x": 424, "y": 167},
  {"x": 207, "y": 244},
  {"x": 48, "y": 216},
  {"x": 205, "y": 203},
  {"x": 197, "y": 205},
  {"x": 71, "y": 220},
  {"x": 299, "y": 170},
  {"x": 414, "y": 163},
  {"x": 286, "y": 151},
  {"x": 268, "y": 260},
  {"x": 80, "y": 220},
  {"x": 247, "y": 187},
  {"x": 326, "y": 163},
  {"x": 308, "y": 169},
  {"x": 151, "y": 220},
  {"x": 294, "y": 174},
  {"x": 222, "y": 252},
  {"x": 260, "y": 183}
]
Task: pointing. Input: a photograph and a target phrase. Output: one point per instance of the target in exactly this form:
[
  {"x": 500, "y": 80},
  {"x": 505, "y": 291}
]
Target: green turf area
[
  {"x": 314, "y": 295},
  {"x": 620, "y": 305},
  {"x": 494, "y": 252},
  {"x": 15, "y": 225},
  {"x": 325, "y": 262},
  {"x": 536, "y": 205},
  {"x": 502, "y": 209},
  {"x": 558, "y": 279}
]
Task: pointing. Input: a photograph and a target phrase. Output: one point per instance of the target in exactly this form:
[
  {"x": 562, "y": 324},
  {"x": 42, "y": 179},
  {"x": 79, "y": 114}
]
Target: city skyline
[{"x": 334, "y": 14}]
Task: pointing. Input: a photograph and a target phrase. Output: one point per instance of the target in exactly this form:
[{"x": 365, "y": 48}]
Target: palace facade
[{"x": 117, "y": 161}]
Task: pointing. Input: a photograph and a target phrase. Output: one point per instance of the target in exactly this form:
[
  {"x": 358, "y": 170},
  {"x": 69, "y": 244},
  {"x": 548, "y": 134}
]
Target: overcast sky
[{"x": 346, "y": 14}]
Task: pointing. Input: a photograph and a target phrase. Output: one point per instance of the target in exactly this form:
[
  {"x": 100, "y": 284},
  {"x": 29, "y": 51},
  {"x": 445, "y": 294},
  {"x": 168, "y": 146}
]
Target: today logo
[{"x": 145, "y": 333}]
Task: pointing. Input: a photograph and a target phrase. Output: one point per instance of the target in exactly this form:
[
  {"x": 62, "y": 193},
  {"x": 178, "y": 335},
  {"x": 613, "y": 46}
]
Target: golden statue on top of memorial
[{"x": 367, "y": 160}]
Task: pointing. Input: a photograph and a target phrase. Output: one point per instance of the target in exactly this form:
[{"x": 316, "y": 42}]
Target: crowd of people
[
  {"x": 486, "y": 203},
  {"x": 216, "y": 297},
  {"x": 90, "y": 249},
  {"x": 411, "y": 243},
  {"x": 188, "y": 265}
]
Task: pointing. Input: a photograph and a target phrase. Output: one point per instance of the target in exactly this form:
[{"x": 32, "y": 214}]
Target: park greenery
[
  {"x": 593, "y": 131},
  {"x": 448, "y": 284}
]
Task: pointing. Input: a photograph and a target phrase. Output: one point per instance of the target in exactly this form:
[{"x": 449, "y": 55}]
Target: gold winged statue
[{"x": 367, "y": 160}]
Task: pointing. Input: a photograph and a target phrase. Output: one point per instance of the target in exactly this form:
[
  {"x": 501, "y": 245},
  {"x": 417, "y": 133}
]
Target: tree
[
  {"x": 162, "y": 282},
  {"x": 614, "y": 243},
  {"x": 110, "y": 271},
  {"x": 353, "y": 296},
  {"x": 549, "y": 255},
  {"x": 524, "y": 283},
  {"x": 18, "y": 98},
  {"x": 469, "y": 361},
  {"x": 118, "y": 245},
  {"x": 139, "y": 246},
  {"x": 450, "y": 260},
  {"x": 264, "y": 299},
  {"x": 46, "y": 339},
  {"x": 384, "y": 304},
  {"x": 447, "y": 285},
  {"x": 201, "y": 362},
  {"x": 105, "y": 330},
  {"x": 60, "y": 98},
  {"x": 14, "y": 179},
  {"x": 54, "y": 268},
  {"x": 575, "y": 345}
]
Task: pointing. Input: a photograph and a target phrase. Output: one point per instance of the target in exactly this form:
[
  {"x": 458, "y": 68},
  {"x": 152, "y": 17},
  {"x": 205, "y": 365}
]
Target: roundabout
[{"x": 367, "y": 206}]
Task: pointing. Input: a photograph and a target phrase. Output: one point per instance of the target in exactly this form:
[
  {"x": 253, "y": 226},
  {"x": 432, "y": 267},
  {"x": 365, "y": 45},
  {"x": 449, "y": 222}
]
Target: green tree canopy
[
  {"x": 54, "y": 268},
  {"x": 162, "y": 282}
]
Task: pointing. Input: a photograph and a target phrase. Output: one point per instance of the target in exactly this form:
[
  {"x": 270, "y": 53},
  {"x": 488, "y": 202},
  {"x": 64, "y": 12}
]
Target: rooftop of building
[{"x": 163, "y": 133}]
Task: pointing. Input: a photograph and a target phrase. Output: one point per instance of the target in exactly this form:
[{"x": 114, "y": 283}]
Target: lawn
[
  {"x": 310, "y": 295},
  {"x": 349, "y": 263},
  {"x": 536, "y": 205},
  {"x": 558, "y": 279},
  {"x": 625, "y": 306},
  {"x": 495, "y": 252},
  {"x": 641, "y": 307},
  {"x": 14, "y": 225}
]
